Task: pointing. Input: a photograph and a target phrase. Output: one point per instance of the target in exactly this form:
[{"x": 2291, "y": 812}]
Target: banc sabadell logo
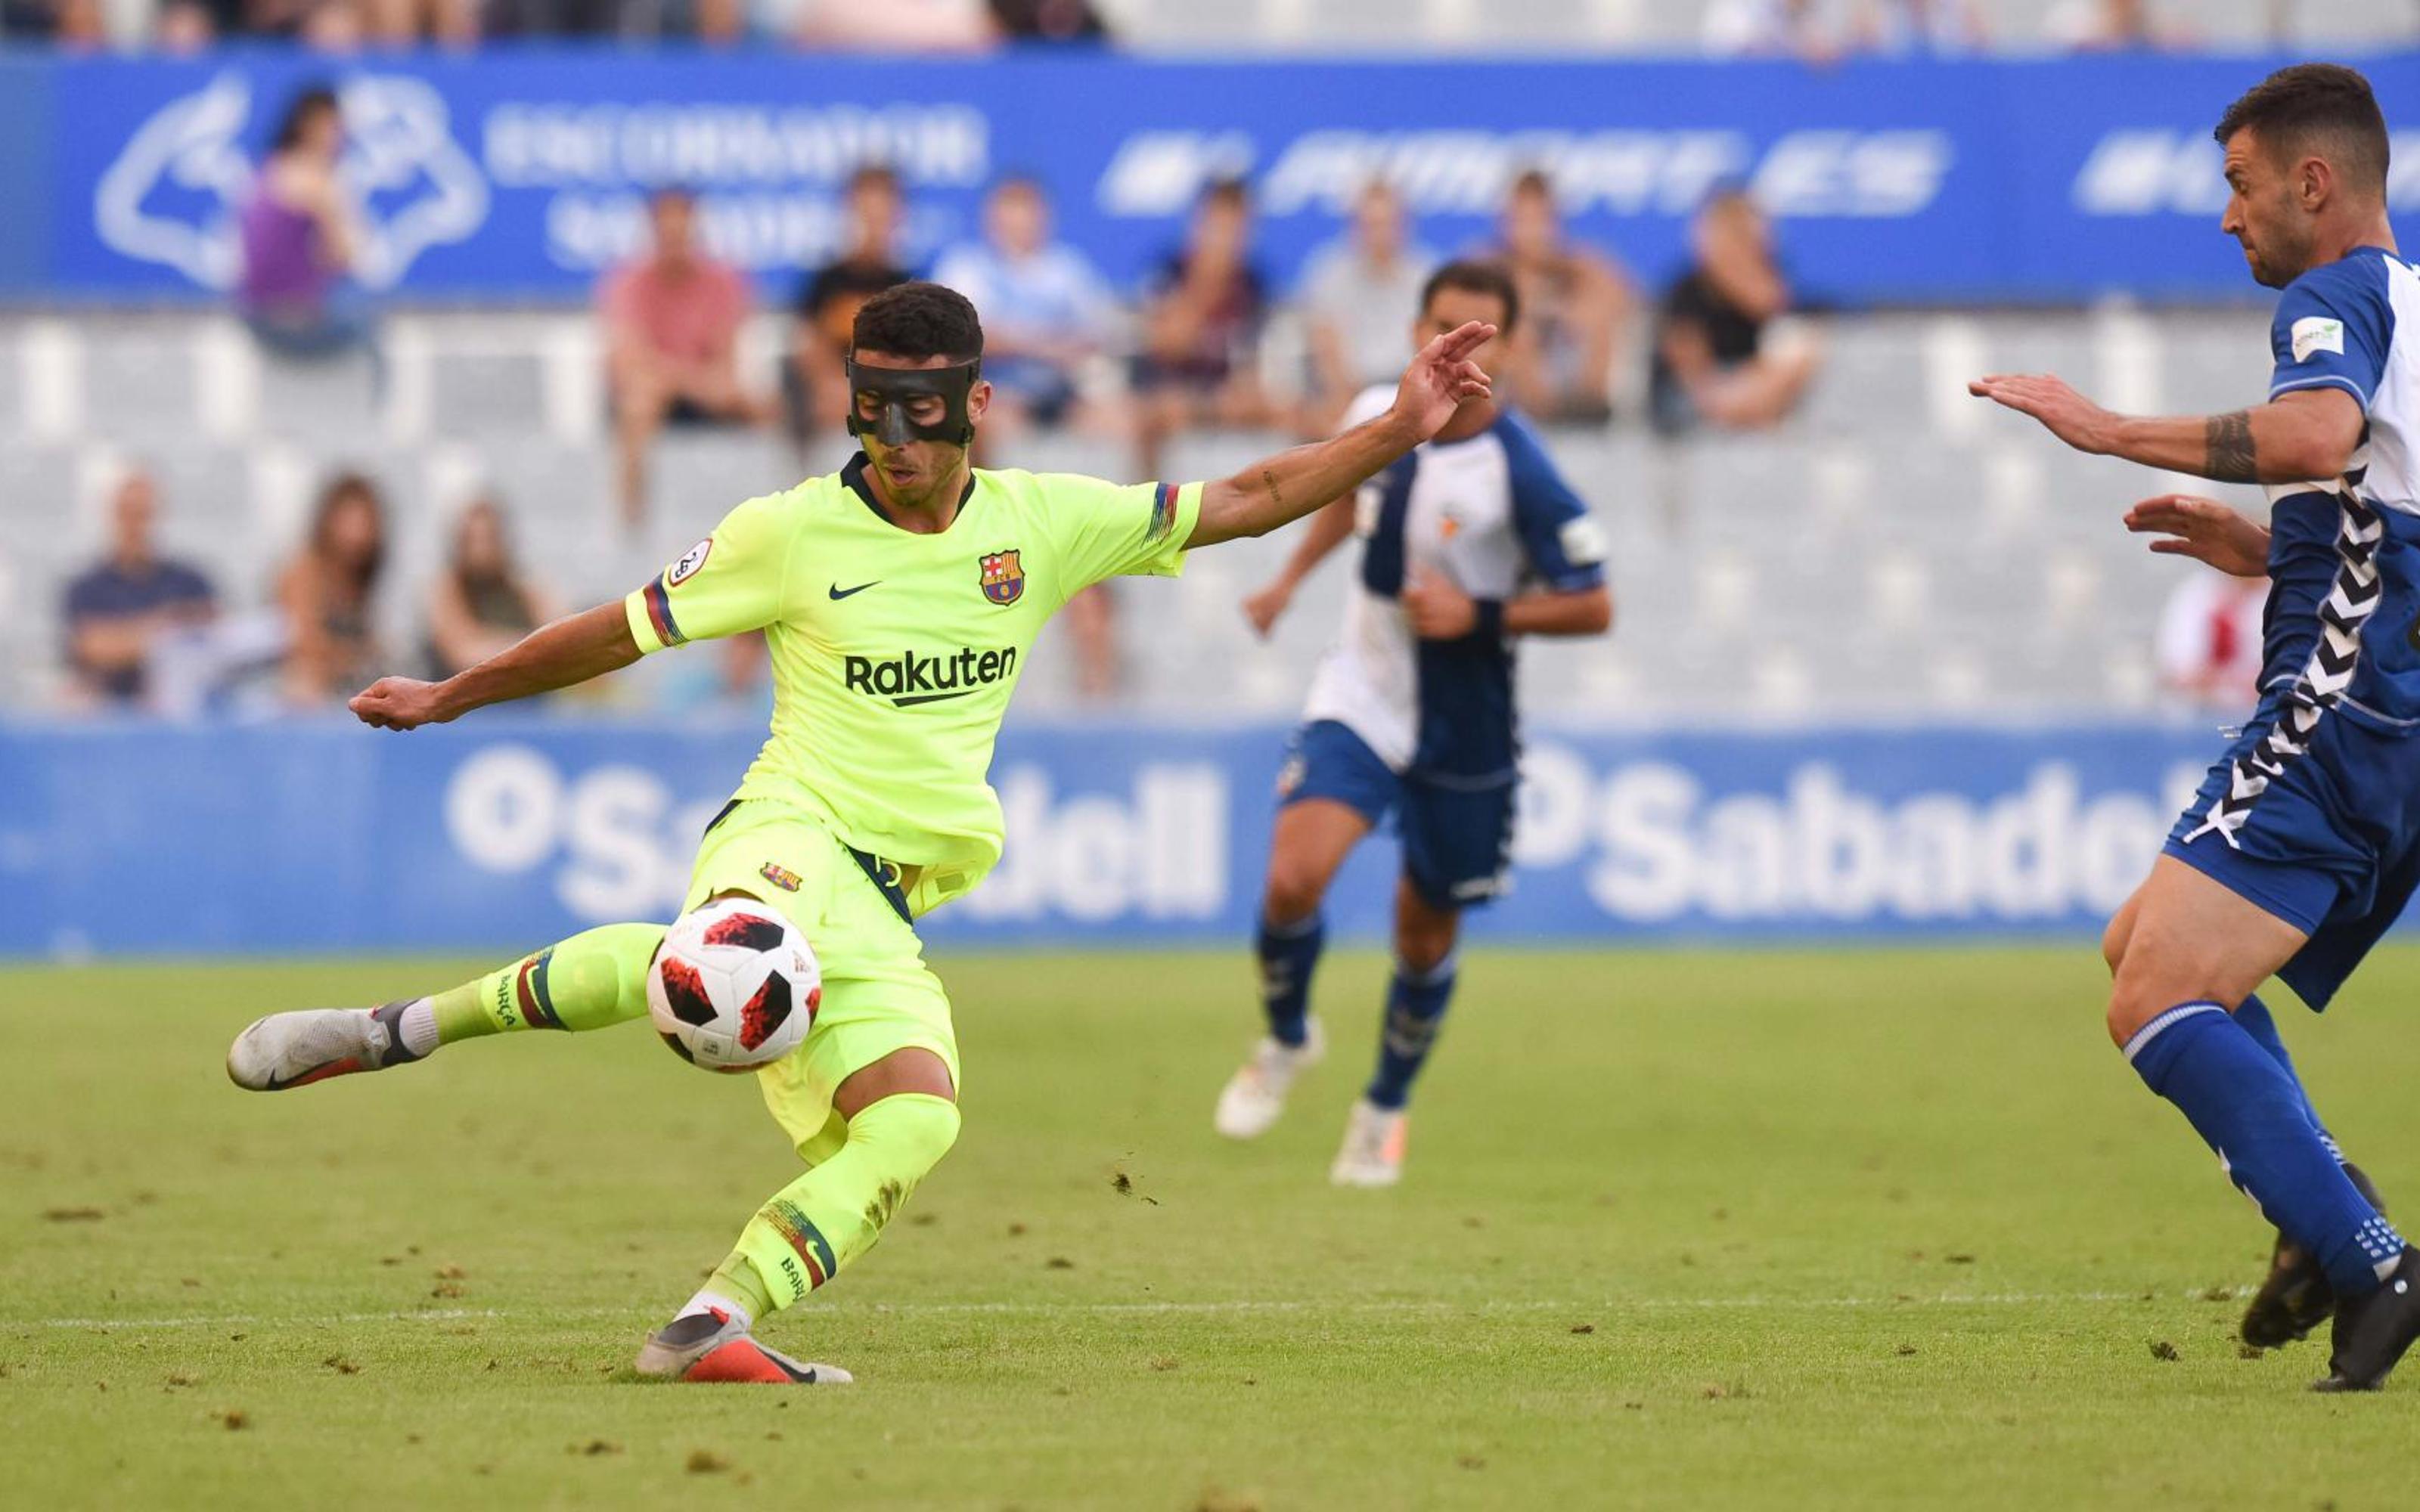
[{"x": 174, "y": 194}]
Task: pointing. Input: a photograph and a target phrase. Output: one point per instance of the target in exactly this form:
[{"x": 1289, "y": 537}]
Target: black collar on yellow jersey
[{"x": 853, "y": 478}]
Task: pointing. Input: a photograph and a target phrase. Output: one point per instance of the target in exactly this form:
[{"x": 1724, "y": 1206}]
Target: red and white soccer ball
[{"x": 733, "y": 987}]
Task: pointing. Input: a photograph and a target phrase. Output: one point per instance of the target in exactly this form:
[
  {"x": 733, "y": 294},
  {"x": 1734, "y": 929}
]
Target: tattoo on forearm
[
  {"x": 2228, "y": 456},
  {"x": 1269, "y": 481}
]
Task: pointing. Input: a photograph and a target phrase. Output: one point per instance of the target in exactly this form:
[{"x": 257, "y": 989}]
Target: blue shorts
[
  {"x": 1457, "y": 839},
  {"x": 2331, "y": 846}
]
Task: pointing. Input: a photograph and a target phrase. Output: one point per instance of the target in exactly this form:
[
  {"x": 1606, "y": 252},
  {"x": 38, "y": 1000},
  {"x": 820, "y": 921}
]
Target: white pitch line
[{"x": 1232, "y": 1305}]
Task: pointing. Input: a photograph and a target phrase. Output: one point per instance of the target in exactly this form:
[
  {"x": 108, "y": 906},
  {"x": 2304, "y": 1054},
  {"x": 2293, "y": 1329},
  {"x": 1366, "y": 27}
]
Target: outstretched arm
[
  {"x": 571, "y": 650},
  {"x": 2204, "y": 530},
  {"x": 2300, "y": 435},
  {"x": 1285, "y": 487}
]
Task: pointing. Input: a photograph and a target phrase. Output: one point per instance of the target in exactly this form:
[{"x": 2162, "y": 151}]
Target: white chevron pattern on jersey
[{"x": 2325, "y": 676}]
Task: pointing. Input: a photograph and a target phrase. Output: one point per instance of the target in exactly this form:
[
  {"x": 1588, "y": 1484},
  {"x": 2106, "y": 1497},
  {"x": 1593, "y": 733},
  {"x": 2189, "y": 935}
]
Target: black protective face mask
[{"x": 897, "y": 386}]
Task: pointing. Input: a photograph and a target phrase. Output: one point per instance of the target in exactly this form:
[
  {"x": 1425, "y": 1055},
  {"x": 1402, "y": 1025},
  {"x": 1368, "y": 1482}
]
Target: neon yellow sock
[
  {"x": 592, "y": 981},
  {"x": 832, "y": 1214}
]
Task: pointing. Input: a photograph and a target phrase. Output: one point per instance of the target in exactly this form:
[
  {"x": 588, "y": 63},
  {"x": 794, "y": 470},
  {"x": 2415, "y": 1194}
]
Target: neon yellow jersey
[{"x": 894, "y": 654}]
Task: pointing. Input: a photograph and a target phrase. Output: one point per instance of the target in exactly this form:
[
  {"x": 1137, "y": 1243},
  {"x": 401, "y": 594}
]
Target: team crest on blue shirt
[{"x": 1003, "y": 577}]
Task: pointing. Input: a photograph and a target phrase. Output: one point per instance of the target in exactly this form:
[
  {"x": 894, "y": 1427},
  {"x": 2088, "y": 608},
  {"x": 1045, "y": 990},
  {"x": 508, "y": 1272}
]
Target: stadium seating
[
  {"x": 1899, "y": 550},
  {"x": 1675, "y": 26}
]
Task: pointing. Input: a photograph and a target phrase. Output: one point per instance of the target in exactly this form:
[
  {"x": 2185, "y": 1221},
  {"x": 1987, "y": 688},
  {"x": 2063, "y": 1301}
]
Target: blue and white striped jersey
[
  {"x": 2344, "y": 552},
  {"x": 1493, "y": 516}
]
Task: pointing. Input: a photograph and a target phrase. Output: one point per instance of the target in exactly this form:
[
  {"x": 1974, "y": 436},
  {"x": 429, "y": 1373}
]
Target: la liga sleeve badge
[{"x": 686, "y": 568}]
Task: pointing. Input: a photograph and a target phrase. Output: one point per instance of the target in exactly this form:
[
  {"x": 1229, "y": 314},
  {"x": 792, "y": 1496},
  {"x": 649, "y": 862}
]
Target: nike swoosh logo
[{"x": 838, "y": 593}]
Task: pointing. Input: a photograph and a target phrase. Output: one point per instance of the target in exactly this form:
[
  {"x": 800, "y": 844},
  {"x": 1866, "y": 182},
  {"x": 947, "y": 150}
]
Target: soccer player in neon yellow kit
[{"x": 900, "y": 598}]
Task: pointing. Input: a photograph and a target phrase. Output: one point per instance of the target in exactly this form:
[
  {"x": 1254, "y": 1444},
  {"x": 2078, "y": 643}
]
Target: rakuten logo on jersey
[
  {"x": 911, "y": 677},
  {"x": 1806, "y": 173}
]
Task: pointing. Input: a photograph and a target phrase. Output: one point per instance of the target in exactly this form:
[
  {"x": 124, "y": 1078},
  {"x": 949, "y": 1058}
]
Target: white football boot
[
  {"x": 1256, "y": 1094},
  {"x": 1373, "y": 1153},
  {"x": 311, "y": 1044},
  {"x": 712, "y": 1347}
]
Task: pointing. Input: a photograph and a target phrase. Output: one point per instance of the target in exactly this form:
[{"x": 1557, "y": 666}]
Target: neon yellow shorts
[{"x": 879, "y": 994}]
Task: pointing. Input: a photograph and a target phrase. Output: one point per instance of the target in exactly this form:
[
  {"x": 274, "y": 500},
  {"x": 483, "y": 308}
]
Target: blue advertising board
[
  {"x": 504, "y": 832},
  {"x": 520, "y": 173}
]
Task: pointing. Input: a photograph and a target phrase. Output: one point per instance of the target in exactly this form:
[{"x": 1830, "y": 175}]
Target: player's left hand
[
  {"x": 2065, "y": 413},
  {"x": 1441, "y": 378},
  {"x": 1437, "y": 608},
  {"x": 2205, "y": 530}
]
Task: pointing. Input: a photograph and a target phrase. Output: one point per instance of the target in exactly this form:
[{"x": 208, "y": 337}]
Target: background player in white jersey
[{"x": 1470, "y": 540}]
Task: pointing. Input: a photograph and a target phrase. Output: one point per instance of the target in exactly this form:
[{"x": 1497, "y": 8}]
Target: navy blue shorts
[
  {"x": 1457, "y": 839},
  {"x": 2331, "y": 846}
]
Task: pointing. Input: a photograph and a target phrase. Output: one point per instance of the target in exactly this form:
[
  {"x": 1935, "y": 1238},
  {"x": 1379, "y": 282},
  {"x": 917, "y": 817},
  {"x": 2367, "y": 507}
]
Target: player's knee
[
  {"x": 913, "y": 1130},
  {"x": 1294, "y": 892},
  {"x": 1423, "y": 944},
  {"x": 2134, "y": 1003}
]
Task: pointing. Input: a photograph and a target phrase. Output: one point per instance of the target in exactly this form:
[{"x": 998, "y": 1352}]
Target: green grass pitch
[{"x": 1681, "y": 1229}]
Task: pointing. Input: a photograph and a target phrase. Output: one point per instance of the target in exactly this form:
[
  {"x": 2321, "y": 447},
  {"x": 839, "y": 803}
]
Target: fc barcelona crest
[{"x": 1003, "y": 577}]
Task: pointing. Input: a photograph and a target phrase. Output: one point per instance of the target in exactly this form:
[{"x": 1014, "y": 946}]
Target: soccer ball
[{"x": 733, "y": 987}]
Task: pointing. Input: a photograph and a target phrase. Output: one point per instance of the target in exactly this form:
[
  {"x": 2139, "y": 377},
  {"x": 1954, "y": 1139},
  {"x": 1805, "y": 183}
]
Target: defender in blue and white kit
[
  {"x": 2304, "y": 845},
  {"x": 1470, "y": 540}
]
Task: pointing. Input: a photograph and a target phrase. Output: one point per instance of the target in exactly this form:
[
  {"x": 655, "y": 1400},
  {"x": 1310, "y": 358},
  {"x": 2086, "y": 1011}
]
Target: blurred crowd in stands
[
  {"x": 1816, "y": 30},
  {"x": 341, "y": 26},
  {"x": 1185, "y": 350},
  {"x": 142, "y": 630},
  {"x": 1722, "y": 347}
]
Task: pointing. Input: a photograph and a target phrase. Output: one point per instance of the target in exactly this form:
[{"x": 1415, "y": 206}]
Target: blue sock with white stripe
[
  {"x": 2249, "y": 1108},
  {"x": 2253, "y": 1014},
  {"x": 1416, "y": 1003},
  {"x": 1288, "y": 953}
]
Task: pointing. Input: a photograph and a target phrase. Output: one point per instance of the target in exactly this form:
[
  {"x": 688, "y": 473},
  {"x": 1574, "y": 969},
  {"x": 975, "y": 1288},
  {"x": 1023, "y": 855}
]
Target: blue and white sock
[
  {"x": 2254, "y": 1015},
  {"x": 2249, "y": 1108},
  {"x": 1416, "y": 1004},
  {"x": 1288, "y": 953}
]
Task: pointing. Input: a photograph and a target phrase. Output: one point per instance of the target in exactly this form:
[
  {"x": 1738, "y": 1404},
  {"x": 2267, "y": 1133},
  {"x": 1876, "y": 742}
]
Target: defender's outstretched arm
[
  {"x": 571, "y": 650},
  {"x": 2302, "y": 435},
  {"x": 1282, "y": 489}
]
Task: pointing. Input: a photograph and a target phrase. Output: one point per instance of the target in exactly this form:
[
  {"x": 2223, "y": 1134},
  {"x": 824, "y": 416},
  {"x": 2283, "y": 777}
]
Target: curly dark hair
[
  {"x": 917, "y": 319},
  {"x": 2321, "y": 108}
]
